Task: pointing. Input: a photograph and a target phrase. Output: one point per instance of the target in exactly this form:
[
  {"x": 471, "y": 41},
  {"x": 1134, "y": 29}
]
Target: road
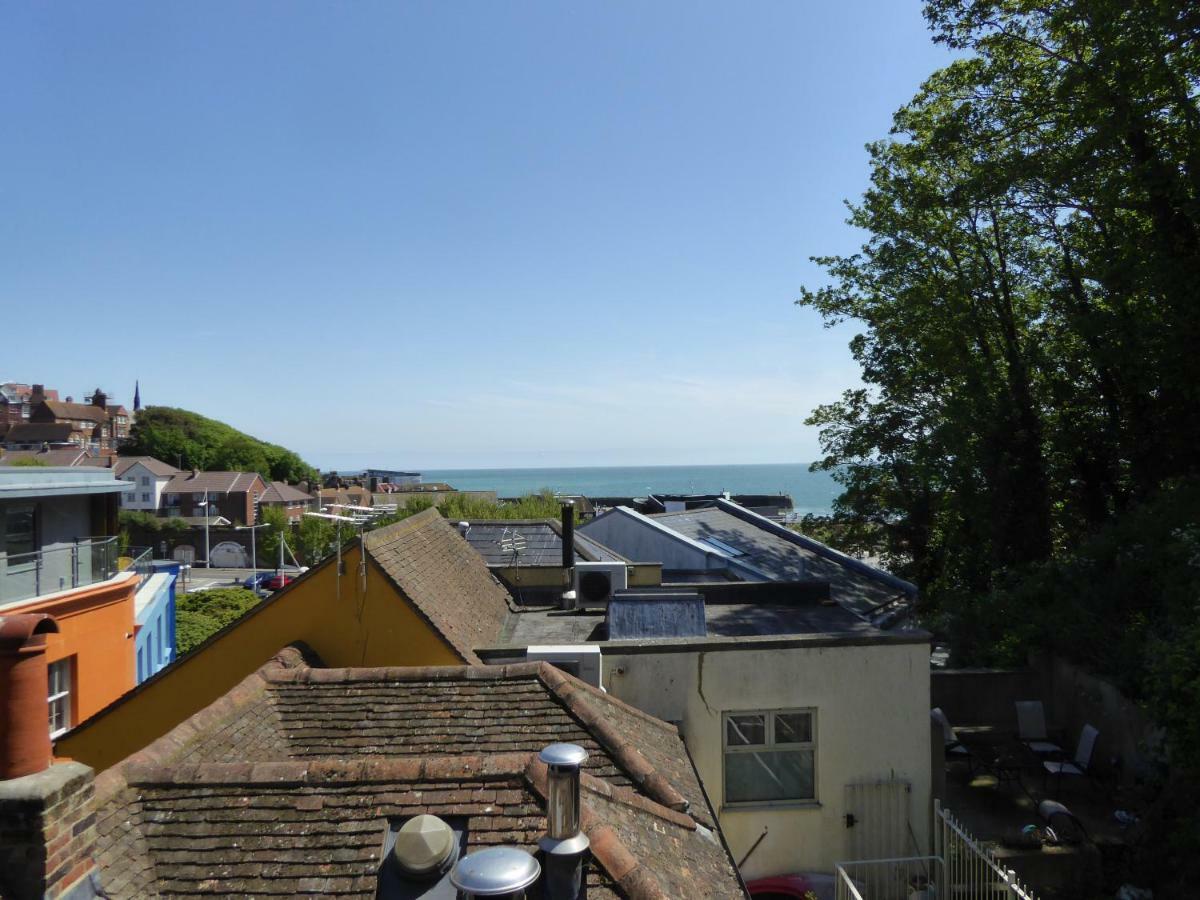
[{"x": 199, "y": 579}]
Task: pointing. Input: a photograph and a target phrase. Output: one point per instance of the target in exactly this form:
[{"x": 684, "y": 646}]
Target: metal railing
[
  {"x": 903, "y": 878},
  {"x": 141, "y": 560},
  {"x": 960, "y": 867},
  {"x": 972, "y": 869},
  {"x": 27, "y": 575}
]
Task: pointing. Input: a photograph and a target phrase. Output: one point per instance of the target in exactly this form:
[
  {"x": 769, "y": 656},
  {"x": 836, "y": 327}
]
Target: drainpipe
[
  {"x": 565, "y": 846},
  {"x": 24, "y": 683}
]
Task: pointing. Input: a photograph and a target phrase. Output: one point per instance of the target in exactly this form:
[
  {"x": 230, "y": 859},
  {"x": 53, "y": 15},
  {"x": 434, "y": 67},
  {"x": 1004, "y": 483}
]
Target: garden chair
[
  {"x": 1080, "y": 765},
  {"x": 955, "y": 749},
  {"x": 1031, "y": 730}
]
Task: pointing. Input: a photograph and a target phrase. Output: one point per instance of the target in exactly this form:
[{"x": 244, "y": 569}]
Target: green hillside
[{"x": 190, "y": 440}]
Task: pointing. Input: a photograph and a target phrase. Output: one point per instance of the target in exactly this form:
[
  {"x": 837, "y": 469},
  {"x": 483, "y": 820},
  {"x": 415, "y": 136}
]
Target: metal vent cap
[
  {"x": 495, "y": 872},
  {"x": 424, "y": 845},
  {"x": 563, "y": 755}
]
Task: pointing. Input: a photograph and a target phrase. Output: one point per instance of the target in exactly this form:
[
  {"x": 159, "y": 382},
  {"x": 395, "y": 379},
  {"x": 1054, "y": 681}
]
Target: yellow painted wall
[{"x": 344, "y": 624}]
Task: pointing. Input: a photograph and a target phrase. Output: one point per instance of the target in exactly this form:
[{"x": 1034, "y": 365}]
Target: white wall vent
[
  {"x": 582, "y": 661},
  {"x": 595, "y": 583}
]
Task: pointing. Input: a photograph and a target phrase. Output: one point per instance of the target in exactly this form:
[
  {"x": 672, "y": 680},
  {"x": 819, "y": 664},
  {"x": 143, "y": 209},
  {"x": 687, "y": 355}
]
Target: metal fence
[
  {"x": 903, "y": 878},
  {"x": 971, "y": 869},
  {"x": 961, "y": 867},
  {"x": 27, "y": 575}
]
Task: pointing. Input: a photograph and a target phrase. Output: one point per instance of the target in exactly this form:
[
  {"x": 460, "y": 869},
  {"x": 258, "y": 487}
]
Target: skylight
[{"x": 722, "y": 546}]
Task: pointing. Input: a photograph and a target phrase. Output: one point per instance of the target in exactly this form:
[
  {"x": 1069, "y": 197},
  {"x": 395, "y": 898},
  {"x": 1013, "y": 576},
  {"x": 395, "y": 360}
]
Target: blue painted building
[{"x": 155, "y": 617}]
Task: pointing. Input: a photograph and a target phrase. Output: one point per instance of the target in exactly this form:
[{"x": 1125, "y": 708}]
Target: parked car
[
  {"x": 275, "y": 582},
  {"x": 800, "y": 886},
  {"x": 257, "y": 580}
]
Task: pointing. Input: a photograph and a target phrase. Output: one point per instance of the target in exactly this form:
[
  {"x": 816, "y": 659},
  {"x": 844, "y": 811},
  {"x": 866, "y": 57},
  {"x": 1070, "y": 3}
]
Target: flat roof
[
  {"x": 24, "y": 482},
  {"x": 723, "y": 621}
]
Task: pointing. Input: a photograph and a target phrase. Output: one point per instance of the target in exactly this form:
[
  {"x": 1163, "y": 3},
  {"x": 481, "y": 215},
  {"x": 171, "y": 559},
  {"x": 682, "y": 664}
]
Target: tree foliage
[
  {"x": 190, "y": 440},
  {"x": 1027, "y": 297},
  {"x": 201, "y": 614}
]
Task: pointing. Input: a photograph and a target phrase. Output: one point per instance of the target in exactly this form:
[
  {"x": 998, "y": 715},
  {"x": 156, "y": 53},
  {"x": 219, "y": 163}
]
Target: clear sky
[{"x": 445, "y": 234}]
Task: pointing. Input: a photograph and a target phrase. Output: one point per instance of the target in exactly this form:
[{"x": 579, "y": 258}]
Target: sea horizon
[{"x": 811, "y": 492}]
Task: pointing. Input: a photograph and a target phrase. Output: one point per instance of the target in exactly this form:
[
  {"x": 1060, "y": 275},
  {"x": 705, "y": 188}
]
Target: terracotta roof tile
[
  {"x": 290, "y": 779},
  {"x": 429, "y": 562}
]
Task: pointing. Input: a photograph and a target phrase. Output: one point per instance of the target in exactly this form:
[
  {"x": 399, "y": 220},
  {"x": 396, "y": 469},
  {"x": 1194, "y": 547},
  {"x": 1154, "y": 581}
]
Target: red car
[
  {"x": 786, "y": 887},
  {"x": 275, "y": 582}
]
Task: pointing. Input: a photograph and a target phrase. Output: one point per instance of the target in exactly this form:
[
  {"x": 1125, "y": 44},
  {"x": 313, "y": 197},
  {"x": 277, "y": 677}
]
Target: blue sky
[{"x": 445, "y": 234}]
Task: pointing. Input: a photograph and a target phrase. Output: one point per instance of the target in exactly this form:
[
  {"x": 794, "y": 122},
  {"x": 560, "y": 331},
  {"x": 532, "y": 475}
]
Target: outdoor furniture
[
  {"x": 1080, "y": 765},
  {"x": 1031, "y": 730},
  {"x": 955, "y": 749}
]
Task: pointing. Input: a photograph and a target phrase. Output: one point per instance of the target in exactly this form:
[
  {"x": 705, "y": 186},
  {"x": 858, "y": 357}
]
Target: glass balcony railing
[{"x": 87, "y": 561}]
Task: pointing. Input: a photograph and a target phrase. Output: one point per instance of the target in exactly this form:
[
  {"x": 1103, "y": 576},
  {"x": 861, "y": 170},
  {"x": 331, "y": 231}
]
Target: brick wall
[{"x": 47, "y": 832}]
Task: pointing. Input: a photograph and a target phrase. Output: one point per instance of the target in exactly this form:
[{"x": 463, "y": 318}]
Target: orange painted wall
[
  {"x": 345, "y": 624},
  {"x": 96, "y": 627}
]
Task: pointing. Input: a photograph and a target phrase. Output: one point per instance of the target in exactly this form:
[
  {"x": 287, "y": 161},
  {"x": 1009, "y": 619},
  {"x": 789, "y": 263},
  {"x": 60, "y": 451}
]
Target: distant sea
[{"x": 811, "y": 492}]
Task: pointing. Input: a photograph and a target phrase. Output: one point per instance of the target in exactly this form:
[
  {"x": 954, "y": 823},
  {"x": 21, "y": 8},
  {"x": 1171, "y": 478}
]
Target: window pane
[
  {"x": 745, "y": 729},
  {"x": 769, "y": 775},
  {"x": 793, "y": 728}
]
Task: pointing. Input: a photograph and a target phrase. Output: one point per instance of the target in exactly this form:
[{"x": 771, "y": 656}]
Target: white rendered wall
[{"x": 872, "y": 704}]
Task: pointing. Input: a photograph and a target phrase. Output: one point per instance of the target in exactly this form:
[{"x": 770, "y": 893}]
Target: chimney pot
[{"x": 24, "y": 683}]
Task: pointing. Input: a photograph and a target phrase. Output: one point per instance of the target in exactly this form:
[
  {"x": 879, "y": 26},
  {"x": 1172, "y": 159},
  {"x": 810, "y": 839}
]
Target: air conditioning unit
[
  {"x": 582, "y": 661},
  {"x": 596, "y": 582}
]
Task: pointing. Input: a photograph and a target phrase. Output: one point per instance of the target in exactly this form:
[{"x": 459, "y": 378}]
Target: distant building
[
  {"x": 47, "y": 435},
  {"x": 392, "y": 476},
  {"x": 149, "y": 477},
  {"x": 233, "y": 495},
  {"x": 293, "y": 501},
  {"x": 739, "y": 544},
  {"x": 17, "y": 400}
]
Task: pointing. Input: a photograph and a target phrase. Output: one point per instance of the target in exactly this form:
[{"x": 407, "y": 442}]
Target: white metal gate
[{"x": 877, "y": 819}]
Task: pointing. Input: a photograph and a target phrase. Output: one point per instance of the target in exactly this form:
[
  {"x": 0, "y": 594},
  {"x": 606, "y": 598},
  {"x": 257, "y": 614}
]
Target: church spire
[{"x": 137, "y": 397}]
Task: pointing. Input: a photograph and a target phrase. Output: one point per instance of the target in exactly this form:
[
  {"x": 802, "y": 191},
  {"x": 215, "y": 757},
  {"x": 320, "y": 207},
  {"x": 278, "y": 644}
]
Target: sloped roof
[
  {"x": 217, "y": 482},
  {"x": 429, "y": 562},
  {"x": 286, "y": 784},
  {"x": 781, "y": 554},
  {"x": 155, "y": 467},
  {"x": 62, "y": 410},
  {"x": 29, "y": 432},
  {"x": 282, "y": 492},
  {"x": 60, "y": 456},
  {"x": 542, "y": 540}
]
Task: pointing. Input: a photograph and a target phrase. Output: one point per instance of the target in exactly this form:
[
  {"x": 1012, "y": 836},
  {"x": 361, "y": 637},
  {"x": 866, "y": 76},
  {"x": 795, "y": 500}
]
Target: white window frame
[
  {"x": 62, "y": 697},
  {"x": 771, "y": 746}
]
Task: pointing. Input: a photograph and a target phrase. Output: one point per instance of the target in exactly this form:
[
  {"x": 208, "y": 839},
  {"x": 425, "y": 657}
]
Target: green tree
[{"x": 277, "y": 529}]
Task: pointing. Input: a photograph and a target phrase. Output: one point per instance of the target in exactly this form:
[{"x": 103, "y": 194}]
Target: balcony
[{"x": 88, "y": 561}]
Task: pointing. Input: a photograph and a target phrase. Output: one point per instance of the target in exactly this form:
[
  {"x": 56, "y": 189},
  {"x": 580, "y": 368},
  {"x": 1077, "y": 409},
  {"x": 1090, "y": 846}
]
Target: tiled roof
[
  {"x": 286, "y": 784},
  {"x": 281, "y": 492},
  {"x": 63, "y": 410},
  {"x": 28, "y": 432},
  {"x": 61, "y": 456},
  {"x": 155, "y": 467},
  {"x": 217, "y": 482},
  {"x": 429, "y": 562},
  {"x": 541, "y": 541}
]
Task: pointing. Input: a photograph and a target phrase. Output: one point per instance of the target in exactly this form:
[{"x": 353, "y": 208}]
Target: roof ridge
[
  {"x": 623, "y": 752},
  {"x": 318, "y": 675},
  {"x": 321, "y": 770}
]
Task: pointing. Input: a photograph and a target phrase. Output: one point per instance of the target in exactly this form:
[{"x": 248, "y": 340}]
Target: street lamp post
[{"x": 253, "y": 549}]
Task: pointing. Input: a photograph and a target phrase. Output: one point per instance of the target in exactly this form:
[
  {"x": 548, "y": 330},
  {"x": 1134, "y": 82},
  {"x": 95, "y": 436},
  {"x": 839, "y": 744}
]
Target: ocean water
[{"x": 811, "y": 492}]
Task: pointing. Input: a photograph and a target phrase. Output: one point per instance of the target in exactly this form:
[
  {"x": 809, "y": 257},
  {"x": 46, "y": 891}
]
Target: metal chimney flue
[
  {"x": 568, "y": 554},
  {"x": 565, "y": 846}
]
